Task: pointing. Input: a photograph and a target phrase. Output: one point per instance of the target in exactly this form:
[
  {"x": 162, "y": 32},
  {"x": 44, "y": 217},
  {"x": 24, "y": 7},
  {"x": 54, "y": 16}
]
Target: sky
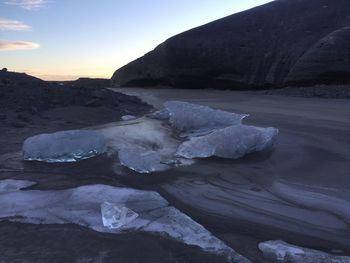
[{"x": 68, "y": 39}]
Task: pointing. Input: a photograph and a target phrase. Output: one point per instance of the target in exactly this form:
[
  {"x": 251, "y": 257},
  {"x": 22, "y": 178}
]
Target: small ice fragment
[
  {"x": 232, "y": 142},
  {"x": 115, "y": 216},
  {"x": 141, "y": 160},
  {"x": 192, "y": 119},
  {"x": 64, "y": 146},
  {"x": 283, "y": 252},
  {"x": 128, "y": 117},
  {"x": 278, "y": 250}
]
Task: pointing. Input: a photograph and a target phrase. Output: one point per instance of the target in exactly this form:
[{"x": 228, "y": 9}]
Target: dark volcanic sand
[
  {"x": 69, "y": 243},
  {"x": 311, "y": 149}
]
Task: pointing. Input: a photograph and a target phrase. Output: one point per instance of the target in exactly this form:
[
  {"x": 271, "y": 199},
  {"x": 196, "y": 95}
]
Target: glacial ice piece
[
  {"x": 64, "y": 146},
  {"x": 232, "y": 142},
  {"x": 173, "y": 223},
  {"x": 128, "y": 117},
  {"x": 82, "y": 206},
  {"x": 145, "y": 146},
  {"x": 115, "y": 216},
  {"x": 192, "y": 119},
  {"x": 281, "y": 251},
  {"x": 141, "y": 160}
]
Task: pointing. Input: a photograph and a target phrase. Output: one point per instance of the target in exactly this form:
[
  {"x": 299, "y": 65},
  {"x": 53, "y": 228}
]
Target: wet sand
[
  {"x": 267, "y": 195},
  {"x": 69, "y": 243}
]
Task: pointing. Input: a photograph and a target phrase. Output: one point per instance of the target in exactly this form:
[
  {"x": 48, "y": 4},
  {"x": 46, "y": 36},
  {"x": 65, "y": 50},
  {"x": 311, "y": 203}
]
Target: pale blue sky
[{"x": 95, "y": 37}]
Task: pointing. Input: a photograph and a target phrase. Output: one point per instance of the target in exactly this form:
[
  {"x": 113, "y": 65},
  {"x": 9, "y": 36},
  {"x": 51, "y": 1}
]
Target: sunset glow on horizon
[{"x": 65, "y": 40}]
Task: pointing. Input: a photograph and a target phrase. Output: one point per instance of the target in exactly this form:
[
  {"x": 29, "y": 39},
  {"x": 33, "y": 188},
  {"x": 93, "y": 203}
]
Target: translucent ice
[
  {"x": 82, "y": 206},
  {"x": 232, "y": 142},
  {"x": 173, "y": 223},
  {"x": 283, "y": 252},
  {"x": 144, "y": 146},
  {"x": 193, "y": 119},
  {"x": 147, "y": 145},
  {"x": 141, "y": 159},
  {"x": 115, "y": 216},
  {"x": 65, "y": 146}
]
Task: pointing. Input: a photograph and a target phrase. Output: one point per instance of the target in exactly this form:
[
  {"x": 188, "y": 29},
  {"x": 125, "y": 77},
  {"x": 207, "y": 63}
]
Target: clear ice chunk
[
  {"x": 115, "y": 216},
  {"x": 232, "y": 142},
  {"x": 281, "y": 251},
  {"x": 141, "y": 160},
  {"x": 64, "y": 146},
  {"x": 192, "y": 119}
]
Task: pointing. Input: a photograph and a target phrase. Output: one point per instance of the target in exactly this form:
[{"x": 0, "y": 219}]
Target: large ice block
[
  {"x": 115, "y": 216},
  {"x": 280, "y": 251},
  {"x": 64, "y": 146},
  {"x": 192, "y": 119},
  {"x": 82, "y": 206},
  {"x": 232, "y": 142}
]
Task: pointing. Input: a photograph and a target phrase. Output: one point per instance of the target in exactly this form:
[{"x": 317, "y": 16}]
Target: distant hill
[
  {"x": 90, "y": 83},
  {"x": 285, "y": 42},
  {"x": 8, "y": 78},
  {"x": 25, "y": 93}
]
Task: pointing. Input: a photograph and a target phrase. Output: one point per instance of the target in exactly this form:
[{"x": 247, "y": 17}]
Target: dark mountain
[{"x": 285, "y": 42}]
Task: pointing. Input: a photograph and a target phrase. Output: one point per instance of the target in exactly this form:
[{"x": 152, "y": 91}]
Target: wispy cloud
[
  {"x": 6, "y": 45},
  {"x": 6, "y": 24},
  {"x": 28, "y": 4}
]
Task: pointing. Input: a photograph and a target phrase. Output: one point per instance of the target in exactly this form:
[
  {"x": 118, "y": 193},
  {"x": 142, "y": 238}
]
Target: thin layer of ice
[
  {"x": 115, "y": 216},
  {"x": 232, "y": 142},
  {"x": 82, "y": 206},
  {"x": 192, "y": 119},
  {"x": 141, "y": 160},
  {"x": 64, "y": 146},
  {"x": 281, "y": 251}
]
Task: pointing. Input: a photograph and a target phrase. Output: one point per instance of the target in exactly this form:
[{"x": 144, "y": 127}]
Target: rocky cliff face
[{"x": 285, "y": 42}]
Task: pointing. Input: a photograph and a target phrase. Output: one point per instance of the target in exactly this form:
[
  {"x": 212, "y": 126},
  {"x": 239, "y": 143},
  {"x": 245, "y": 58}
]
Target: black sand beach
[{"x": 236, "y": 200}]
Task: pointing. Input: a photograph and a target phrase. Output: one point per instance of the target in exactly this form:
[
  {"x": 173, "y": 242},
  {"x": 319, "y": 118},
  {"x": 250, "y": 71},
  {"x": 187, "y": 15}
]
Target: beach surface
[{"x": 298, "y": 192}]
